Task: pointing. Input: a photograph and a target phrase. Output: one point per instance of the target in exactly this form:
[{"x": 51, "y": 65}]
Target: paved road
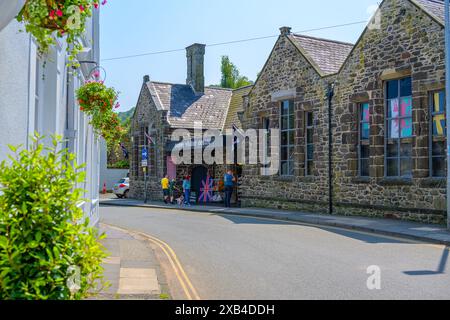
[{"x": 233, "y": 257}]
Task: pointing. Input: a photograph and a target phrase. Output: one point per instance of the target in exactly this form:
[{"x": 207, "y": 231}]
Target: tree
[
  {"x": 116, "y": 155},
  {"x": 231, "y": 77}
]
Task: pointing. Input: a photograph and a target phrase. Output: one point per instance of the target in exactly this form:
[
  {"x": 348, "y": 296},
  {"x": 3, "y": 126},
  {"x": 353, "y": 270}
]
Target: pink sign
[{"x": 171, "y": 168}]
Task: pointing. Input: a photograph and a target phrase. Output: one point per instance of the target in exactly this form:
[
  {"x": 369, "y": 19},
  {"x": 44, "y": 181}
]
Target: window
[
  {"x": 363, "y": 141},
  {"x": 152, "y": 152},
  {"x": 143, "y": 143},
  {"x": 265, "y": 125},
  {"x": 398, "y": 146},
  {"x": 136, "y": 164},
  {"x": 309, "y": 143},
  {"x": 438, "y": 137},
  {"x": 287, "y": 138}
]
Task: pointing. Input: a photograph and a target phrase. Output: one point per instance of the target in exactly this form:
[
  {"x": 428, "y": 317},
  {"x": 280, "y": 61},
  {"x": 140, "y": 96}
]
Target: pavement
[
  {"x": 132, "y": 269},
  {"x": 238, "y": 257},
  {"x": 432, "y": 233}
]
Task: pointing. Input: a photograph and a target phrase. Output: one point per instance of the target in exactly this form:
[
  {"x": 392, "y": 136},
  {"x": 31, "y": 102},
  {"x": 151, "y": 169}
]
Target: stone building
[
  {"x": 385, "y": 99},
  {"x": 290, "y": 95},
  {"x": 388, "y": 117},
  {"x": 163, "y": 108}
]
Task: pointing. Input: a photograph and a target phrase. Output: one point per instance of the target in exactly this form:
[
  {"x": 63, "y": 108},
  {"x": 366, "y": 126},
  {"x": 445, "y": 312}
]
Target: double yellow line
[{"x": 185, "y": 282}]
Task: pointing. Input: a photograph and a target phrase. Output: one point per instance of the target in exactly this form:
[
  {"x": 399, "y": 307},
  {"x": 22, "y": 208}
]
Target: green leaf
[
  {"x": 3, "y": 241},
  {"x": 38, "y": 204}
]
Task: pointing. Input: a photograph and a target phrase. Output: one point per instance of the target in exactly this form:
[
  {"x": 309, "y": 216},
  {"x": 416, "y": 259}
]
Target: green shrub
[
  {"x": 122, "y": 164},
  {"x": 42, "y": 234}
]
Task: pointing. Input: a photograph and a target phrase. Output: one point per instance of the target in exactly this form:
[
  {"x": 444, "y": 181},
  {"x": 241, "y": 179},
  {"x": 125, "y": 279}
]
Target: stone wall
[
  {"x": 409, "y": 43},
  {"x": 147, "y": 115},
  {"x": 288, "y": 71}
]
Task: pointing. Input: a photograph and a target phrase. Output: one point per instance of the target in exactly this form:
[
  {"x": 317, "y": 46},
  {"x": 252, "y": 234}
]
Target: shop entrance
[{"x": 199, "y": 174}]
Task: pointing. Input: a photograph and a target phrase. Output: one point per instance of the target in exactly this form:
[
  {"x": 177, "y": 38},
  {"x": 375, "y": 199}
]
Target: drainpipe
[
  {"x": 330, "y": 95},
  {"x": 447, "y": 90}
]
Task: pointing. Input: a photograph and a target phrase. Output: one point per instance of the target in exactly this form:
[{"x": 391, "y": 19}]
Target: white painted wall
[
  {"x": 15, "y": 50},
  {"x": 108, "y": 176},
  {"x": 23, "y": 79}
]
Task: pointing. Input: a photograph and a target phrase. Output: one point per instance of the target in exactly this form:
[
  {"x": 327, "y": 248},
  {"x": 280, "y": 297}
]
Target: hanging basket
[
  {"x": 57, "y": 24},
  {"x": 65, "y": 17}
]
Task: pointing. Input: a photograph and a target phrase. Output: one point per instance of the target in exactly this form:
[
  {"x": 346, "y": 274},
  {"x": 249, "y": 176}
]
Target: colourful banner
[
  {"x": 439, "y": 121},
  {"x": 439, "y": 102},
  {"x": 206, "y": 190},
  {"x": 406, "y": 107},
  {"x": 401, "y": 128},
  {"x": 395, "y": 124}
]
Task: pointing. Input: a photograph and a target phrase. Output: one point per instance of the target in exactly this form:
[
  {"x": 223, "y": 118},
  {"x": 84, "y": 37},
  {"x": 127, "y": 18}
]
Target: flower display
[
  {"x": 99, "y": 101},
  {"x": 47, "y": 19}
]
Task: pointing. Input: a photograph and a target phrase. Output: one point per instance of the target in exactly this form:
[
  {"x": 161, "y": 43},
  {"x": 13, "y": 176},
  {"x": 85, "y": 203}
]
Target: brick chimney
[{"x": 195, "y": 67}]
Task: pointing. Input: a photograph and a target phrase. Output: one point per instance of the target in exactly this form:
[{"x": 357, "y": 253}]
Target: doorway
[{"x": 199, "y": 174}]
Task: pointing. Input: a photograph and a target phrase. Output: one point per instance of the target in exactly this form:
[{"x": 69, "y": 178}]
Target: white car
[{"x": 122, "y": 188}]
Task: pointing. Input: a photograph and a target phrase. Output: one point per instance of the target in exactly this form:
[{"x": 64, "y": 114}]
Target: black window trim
[
  {"x": 311, "y": 127},
  {"x": 360, "y": 122},
  {"x": 431, "y": 133},
  {"x": 289, "y": 145},
  {"x": 386, "y": 132}
]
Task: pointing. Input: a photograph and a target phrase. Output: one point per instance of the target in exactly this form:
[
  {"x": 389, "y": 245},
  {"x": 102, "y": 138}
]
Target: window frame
[
  {"x": 151, "y": 148},
  {"x": 398, "y": 141},
  {"x": 289, "y": 145},
  {"x": 152, "y": 154},
  {"x": 432, "y": 138},
  {"x": 307, "y": 144},
  {"x": 361, "y": 140},
  {"x": 265, "y": 125}
]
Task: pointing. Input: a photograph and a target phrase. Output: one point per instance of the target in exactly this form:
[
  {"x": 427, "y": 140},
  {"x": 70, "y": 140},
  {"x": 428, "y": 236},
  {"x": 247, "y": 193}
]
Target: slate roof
[
  {"x": 435, "y": 8},
  {"x": 326, "y": 55},
  {"x": 185, "y": 107},
  {"x": 236, "y": 106}
]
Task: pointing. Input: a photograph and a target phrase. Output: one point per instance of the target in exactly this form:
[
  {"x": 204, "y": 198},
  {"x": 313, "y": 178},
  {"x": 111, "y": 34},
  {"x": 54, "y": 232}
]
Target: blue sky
[{"x": 131, "y": 27}]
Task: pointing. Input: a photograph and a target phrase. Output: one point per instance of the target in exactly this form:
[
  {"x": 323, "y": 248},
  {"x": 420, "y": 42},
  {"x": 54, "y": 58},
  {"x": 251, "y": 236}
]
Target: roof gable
[
  {"x": 427, "y": 6},
  {"x": 185, "y": 107},
  {"x": 236, "y": 106},
  {"x": 298, "y": 49},
  {"x": 325, "y": 55},
  {"x": 434, "y": 8}
]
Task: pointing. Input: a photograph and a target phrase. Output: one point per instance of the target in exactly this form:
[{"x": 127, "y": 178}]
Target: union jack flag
[
  {"x": 150, "y": 140},
  {"x": 206, "y": 190}
]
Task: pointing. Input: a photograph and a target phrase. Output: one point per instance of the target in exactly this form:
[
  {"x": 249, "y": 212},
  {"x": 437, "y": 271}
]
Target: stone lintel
[
  {"x": 360, "y": 97},
  {"x": 391, "y": 74},
  {"x": 283, "y": 95}
]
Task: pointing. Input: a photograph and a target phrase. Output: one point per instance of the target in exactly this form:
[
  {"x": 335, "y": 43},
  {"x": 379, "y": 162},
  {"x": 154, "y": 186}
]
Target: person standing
[
  {"x": 165, "y": 188},
  {"x": 187, "y": 190},
  {"x": 228, "y": 182},
  {"x": 172, "y": 184}
]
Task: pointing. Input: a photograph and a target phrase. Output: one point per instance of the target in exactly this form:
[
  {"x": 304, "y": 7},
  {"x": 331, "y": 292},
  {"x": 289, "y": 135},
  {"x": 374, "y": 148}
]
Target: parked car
[{"x": 122, "y": 188}]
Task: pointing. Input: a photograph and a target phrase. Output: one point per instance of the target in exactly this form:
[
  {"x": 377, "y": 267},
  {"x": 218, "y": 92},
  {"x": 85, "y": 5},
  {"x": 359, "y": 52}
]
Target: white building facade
[{"x": 37, "y": 94}]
